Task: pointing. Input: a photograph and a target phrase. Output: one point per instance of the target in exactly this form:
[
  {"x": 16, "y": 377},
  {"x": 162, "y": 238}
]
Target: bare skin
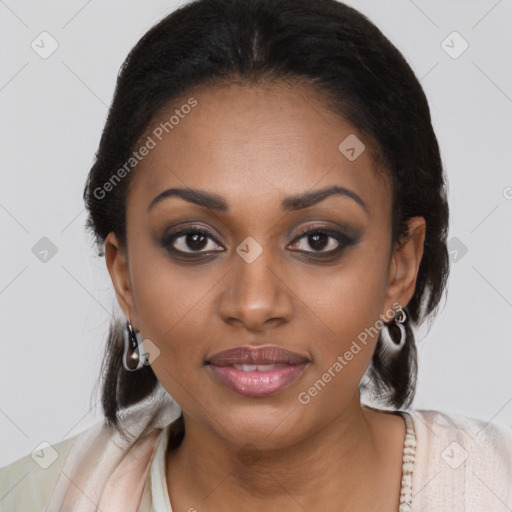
[{"x": 254, "y": 146}]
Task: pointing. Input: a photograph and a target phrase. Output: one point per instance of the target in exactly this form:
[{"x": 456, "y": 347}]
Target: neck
[{"x": 342, "y": 460}]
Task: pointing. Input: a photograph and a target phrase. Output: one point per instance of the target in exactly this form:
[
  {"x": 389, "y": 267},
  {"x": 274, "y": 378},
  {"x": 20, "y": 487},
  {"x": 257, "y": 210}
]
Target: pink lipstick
[{"x": 256, "y": 372}]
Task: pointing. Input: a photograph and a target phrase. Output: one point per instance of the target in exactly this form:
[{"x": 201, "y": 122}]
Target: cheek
[
  {"x": 172, "y": 312},
  {"x": 349, "y": 304},
  {"x": 350, "y": 307},
  {"x": 173, "y": 305}
]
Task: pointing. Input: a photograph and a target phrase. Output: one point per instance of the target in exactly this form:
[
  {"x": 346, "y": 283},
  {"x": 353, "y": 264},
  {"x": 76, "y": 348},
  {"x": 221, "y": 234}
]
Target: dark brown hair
[{"x": 347, "y": 61}]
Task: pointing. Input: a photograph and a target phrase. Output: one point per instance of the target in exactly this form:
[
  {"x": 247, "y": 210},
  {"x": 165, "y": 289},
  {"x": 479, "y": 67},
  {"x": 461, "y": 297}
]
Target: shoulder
[
  {"x": 28, "y": 482},
  {"x": 447, "y": 422},
  {"x": 465, "y": 457},
  {"x": 484, "y": 437}
]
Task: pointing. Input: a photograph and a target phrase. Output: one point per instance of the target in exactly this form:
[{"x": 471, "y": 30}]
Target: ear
[
  {"x": 405, "y": 262},
  {"x": 117, "y": 264}
]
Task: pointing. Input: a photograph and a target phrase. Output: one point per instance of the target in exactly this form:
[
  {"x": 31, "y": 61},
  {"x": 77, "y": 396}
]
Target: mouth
[{"x": 256, "y": 372}]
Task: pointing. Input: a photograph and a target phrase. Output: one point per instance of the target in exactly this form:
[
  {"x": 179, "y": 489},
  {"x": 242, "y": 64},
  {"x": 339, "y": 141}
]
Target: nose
[{"x": 257, "y": 295}]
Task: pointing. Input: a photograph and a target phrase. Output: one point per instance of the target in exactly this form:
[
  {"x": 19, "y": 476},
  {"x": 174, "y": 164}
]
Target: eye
[
  {"x": 322, "y": 241},
  {"x": 190, "y": 241},
  {"x": 199, "y": 241}
]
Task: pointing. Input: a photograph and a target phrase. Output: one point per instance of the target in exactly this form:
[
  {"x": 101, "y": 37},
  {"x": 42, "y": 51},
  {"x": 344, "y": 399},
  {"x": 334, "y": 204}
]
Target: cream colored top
[{"x": 451, "y": 463}]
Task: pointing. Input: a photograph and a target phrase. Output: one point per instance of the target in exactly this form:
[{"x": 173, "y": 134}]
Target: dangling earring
[
  {"x": 394, "y": 334},
  {"x": 132, "y": 360}
]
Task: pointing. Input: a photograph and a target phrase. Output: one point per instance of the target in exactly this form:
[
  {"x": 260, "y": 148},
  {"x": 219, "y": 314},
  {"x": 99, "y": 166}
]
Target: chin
[{"x": 265, "y": 426}]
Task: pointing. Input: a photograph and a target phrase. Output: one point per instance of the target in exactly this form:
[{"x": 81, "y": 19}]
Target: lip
[
  {"x": 256, "y": 372},
  {"x": 256, "y": 355}
]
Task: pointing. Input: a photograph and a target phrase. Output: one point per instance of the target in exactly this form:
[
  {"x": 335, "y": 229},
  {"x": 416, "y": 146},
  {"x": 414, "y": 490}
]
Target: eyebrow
[{"x": 291, "y": 203}]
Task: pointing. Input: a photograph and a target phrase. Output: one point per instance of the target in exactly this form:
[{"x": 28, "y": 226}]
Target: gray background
[{"x": 54, "y": 315}]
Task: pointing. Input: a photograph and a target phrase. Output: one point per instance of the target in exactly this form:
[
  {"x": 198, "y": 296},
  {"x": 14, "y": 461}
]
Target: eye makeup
[{"x": 194, "y": 242}]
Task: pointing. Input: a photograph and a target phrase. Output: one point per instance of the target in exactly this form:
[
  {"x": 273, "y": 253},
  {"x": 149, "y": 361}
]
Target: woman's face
[{"x": 251, "y": 277}]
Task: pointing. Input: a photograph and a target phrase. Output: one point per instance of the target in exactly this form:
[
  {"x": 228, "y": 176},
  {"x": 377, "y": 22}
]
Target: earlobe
[
  {"x": 117, "y": 265},
  {"x": 405, "y": 263}
]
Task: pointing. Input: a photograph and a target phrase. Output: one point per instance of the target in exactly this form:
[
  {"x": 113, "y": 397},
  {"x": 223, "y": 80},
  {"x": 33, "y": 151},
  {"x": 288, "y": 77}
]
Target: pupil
[
  {"x": 195, "y": 244},
  {"x": 316, "y": 244}
]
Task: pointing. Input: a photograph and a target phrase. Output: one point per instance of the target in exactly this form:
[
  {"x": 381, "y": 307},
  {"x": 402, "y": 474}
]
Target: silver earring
[
  {"x": 132, "y": 360},
  {"x": 394, "y": 334}
]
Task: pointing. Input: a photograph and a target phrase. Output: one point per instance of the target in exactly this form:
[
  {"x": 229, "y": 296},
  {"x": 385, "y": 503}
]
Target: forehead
[{"x": 256, "y": 144}]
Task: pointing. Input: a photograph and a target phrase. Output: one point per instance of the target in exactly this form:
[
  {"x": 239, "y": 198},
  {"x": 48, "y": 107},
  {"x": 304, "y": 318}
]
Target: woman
[{"x": 270, "y": 200}]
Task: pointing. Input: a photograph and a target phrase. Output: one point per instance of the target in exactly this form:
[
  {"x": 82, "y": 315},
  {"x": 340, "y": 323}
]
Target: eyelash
[{"x": 342, "y": 239}]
